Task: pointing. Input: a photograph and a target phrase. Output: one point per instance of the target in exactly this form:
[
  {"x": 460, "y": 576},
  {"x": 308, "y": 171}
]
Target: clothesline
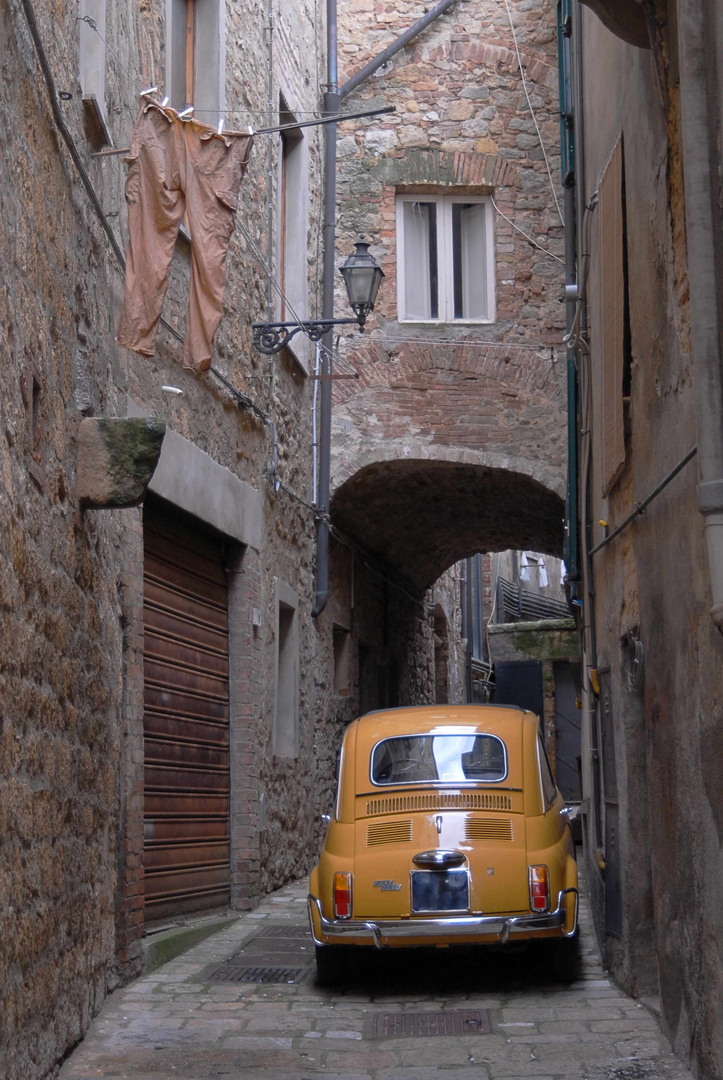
[{"x": 335, "y": 119}]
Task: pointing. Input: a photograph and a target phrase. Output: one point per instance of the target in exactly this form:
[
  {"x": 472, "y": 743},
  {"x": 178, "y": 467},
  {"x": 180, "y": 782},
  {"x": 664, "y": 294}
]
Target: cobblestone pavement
[{"x": 172, "y": 1024}]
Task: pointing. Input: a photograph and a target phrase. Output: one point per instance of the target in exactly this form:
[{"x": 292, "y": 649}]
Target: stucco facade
[
  {"x": 652, "y": 664},
  {"x": 450, "y": 442}
]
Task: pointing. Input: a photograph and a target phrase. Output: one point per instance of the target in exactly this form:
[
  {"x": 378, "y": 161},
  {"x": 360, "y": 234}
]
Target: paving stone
[
  {"x": 472, "y": 1071},
  {"x": 171, "y": 1025}
]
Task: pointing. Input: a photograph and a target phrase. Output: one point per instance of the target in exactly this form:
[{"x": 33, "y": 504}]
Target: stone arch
[
  {"x": 411, "y": 451},
  {"x": 419, "y": 515}
]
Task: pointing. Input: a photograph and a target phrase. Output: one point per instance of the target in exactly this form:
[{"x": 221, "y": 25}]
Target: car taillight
[
  {"x": 342, "y": 896},
  {"x": 539, "y": 888}
]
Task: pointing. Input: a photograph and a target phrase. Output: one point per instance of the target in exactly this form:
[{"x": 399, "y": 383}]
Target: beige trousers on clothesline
[{"x": 179, "y": 167}]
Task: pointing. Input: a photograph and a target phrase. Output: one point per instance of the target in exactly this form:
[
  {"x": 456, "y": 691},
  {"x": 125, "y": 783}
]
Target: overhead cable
[
  {"x": 532, "y": 113},
  {"x": 526, "y": 235}
]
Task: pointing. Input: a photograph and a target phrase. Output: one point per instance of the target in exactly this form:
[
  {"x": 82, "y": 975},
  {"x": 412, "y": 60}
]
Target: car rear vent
[
  {"x": 389, "y": 832},
  {"x": 488, "y": 829},
  {"x": 467, "y": 800}
]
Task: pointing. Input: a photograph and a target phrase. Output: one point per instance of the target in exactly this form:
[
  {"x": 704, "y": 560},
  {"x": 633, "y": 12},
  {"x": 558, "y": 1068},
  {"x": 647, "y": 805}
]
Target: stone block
[{"x": 116, "y": 460}]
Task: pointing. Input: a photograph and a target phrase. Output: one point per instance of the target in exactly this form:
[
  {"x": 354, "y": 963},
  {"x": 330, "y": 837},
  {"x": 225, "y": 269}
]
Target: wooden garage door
[{"x": 186, "y": 846}]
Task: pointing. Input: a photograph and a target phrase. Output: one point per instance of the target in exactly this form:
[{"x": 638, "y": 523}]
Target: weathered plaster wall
[{"x": 654, "y": 577}]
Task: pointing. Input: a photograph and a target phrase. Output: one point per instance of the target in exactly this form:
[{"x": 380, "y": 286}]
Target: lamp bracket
[{"x": 271, "y": 338}]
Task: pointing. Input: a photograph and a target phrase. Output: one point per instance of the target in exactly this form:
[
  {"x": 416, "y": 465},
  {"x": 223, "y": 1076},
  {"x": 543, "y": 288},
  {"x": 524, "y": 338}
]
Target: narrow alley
[
  {"x": 361, "y": 536},
  {"x": 176, "y": 1022}
]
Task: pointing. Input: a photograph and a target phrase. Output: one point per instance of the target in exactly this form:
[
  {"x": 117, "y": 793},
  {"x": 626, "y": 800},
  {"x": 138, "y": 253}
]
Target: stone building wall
[
  {"x": 71, "y": 671},
  {"x": 661, "y": 730},
  {"x": 462, "y": 126},
  {"x": 452, "y": 439}
]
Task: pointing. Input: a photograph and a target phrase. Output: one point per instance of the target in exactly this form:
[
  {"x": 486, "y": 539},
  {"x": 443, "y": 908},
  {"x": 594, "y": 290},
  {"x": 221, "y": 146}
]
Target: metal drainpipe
[
  {"x": 270, "y": 169},
  {"x": 571, "y": 279},
  {"x": 470, "y": 629},
  {"x": 332, "y": 100},
  {"x": 331, "y": 107},
  {"x": 699, "y": 74},
  {"x": 395, "y": 47}
]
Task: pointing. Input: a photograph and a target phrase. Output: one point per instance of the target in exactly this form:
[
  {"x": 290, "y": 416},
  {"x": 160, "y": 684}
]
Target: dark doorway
[
  {"x": 520, "y": 683},
  {"x": 567, "y": 728}
]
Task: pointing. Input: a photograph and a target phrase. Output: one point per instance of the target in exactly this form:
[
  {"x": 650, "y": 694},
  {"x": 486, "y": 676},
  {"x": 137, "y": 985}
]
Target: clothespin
[
  {"x": 165, "y": 102},
  {"x": 185, "y": 113},
  {"x": 220, "y": 126},
  {"x": 150, "y": 90},
  {"x": 251, "y": 130}
]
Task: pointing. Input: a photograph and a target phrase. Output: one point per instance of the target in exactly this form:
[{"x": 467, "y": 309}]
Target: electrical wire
[
  {"x": 526, "y": 235},
  {"x": 573, "y": 339},
  {"x": 29, "y": 13},
  {"x": 282, "y": 295},
  {"x": 141, "y": 80},
  {"x": 364, "y": 559},
  {"x": 532, "y": 113}
]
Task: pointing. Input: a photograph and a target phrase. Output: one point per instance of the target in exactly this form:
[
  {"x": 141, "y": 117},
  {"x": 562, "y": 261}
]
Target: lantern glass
[{"x": 362, "y": 277}]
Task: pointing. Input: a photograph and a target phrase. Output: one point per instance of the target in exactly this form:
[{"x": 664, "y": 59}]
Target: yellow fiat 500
[{"x": 447, "y": 829}]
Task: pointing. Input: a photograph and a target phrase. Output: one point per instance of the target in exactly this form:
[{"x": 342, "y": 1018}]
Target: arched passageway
[
  {"x": 418, "y": 517},
  {"x": 400, "y": 525}
]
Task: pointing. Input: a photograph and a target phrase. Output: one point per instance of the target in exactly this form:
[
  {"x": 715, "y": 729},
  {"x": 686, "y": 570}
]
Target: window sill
[
  {"x": 96, "y": 125},
  {"x": 434, "y": 323}
]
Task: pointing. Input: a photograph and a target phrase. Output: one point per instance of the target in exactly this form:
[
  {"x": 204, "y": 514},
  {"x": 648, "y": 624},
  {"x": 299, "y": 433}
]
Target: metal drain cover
[
  {"x": 404, "y": 1025},
  {"x": 294, "y": 930},
  {"x": 230, "y": 972}
]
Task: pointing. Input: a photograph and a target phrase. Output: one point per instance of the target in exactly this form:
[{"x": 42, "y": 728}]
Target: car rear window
[{"x": 421, "y": 759}]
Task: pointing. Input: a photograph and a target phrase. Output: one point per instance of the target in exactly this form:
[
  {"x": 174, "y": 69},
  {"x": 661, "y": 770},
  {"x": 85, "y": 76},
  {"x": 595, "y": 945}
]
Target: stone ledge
[{"x": 544, "y": 639}]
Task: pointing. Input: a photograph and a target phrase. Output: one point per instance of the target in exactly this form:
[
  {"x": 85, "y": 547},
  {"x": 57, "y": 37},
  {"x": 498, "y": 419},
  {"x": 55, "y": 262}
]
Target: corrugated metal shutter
[
  {"x": 612, "y": 318},
  {"x": 186, "y": 718}
]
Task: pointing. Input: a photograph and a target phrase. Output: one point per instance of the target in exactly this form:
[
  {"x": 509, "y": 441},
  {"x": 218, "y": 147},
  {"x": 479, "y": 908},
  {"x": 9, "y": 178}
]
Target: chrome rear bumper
[{"x": 382, "y": 932}]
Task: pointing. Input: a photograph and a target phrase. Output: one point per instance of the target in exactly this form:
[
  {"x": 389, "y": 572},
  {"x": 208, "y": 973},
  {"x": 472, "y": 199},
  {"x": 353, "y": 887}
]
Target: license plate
[{"x": 440, "y": 890}]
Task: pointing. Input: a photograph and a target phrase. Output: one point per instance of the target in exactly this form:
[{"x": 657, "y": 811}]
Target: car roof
[{"x": 423, "y": 719}]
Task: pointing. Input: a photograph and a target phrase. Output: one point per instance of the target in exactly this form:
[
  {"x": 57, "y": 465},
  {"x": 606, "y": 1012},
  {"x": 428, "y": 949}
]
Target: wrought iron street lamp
[{"x": 362, "y": 277}]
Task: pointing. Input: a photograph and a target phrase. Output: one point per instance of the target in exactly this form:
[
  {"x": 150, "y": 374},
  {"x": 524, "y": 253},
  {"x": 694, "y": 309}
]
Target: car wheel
[
  {"x": 565, "y": 959},
  {"x": 332, "y": 964}
]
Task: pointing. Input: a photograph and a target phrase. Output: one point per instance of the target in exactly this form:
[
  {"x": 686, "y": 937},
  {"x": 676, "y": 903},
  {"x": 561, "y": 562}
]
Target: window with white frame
[
  {"x": 445, "y": 259},
  {"x": 195, "y": 57},
  {"x": 92, "y": 48}
]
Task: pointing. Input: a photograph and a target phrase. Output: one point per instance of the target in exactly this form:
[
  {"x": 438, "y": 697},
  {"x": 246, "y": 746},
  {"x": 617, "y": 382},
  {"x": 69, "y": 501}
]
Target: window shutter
[{"x": 612, "y": 303}]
